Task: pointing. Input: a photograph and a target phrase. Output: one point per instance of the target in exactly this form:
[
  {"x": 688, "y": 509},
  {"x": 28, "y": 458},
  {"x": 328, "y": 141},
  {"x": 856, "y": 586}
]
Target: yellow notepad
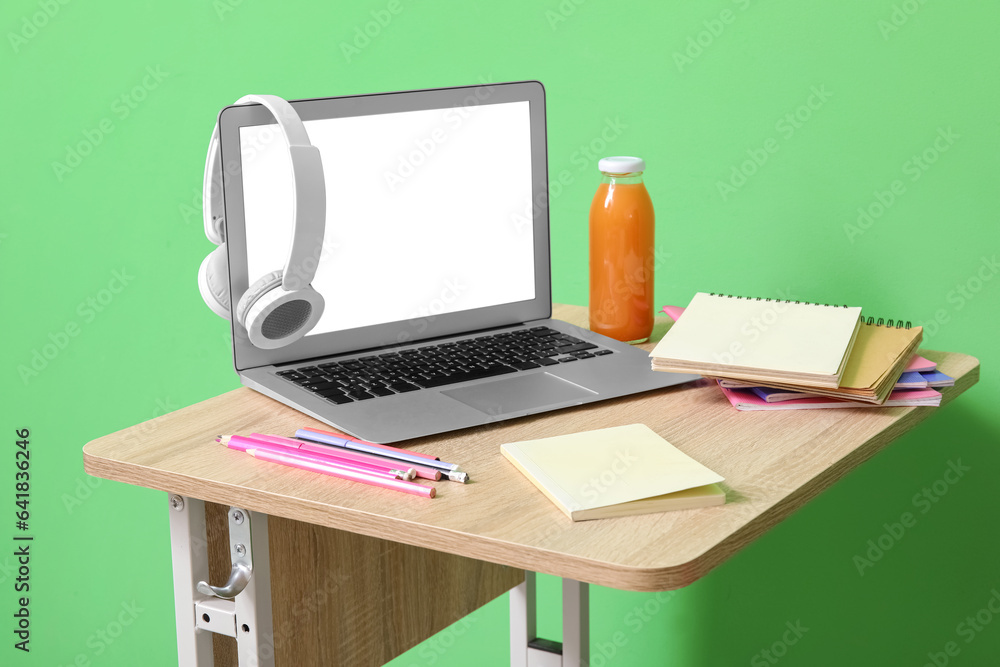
[
  {"x": 614, "y": 472},
  {"x": 760, "y": 340}
]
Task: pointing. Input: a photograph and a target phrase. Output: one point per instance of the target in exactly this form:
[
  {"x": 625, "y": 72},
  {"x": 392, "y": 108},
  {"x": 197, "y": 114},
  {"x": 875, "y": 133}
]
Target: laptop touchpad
[{"x": 513, "y": 394}]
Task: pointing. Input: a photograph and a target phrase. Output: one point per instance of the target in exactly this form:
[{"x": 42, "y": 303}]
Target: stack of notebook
[
  {"x": 807, "y": 355},
  {"x": 914, "y": 387}
]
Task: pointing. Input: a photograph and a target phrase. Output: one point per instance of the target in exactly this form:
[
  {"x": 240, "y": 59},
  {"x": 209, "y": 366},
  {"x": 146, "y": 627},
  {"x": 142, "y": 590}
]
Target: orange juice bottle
[{"x": 621, "y": 252}]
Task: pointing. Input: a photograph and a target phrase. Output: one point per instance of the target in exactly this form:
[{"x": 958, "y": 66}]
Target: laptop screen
[
  {"x": 424, "y": 211},
  {"x": 437, "y": 214}
]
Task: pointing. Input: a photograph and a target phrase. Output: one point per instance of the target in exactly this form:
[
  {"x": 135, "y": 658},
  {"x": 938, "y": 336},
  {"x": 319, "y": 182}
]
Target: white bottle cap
[{"x": 621, "y": 164}]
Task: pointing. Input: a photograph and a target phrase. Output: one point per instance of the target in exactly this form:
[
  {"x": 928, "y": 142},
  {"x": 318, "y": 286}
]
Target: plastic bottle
[{"x": 621, "y": 252}]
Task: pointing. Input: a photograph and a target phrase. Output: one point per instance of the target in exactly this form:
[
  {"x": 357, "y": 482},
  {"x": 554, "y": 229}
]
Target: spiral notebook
[
  {"x": 882, "y": 352},
  {"x": 919, "y": 367},
  {"x": 761, "y": 340}
]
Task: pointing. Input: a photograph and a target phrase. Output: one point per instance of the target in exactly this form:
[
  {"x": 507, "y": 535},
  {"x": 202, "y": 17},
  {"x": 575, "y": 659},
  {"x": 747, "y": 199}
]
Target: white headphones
[{"x": 281, "y": 307}]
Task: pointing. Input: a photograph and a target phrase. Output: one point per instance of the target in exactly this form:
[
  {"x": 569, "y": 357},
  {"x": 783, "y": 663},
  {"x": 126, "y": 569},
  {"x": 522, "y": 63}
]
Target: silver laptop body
[{"x": 437, "y": 235}]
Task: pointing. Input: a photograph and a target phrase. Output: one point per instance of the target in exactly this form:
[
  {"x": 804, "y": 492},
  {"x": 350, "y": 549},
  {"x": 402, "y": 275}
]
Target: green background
[{"x": 695, "y": 91}]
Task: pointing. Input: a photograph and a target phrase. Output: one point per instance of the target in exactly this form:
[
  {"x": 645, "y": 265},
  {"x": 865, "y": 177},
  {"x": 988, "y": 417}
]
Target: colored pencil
[
  {"x": 386, "y": 448},
  {"x": 242, "y": 443},
  {"x": 342, "y": 473},
  {"x": 382, "y": 450},
  {"x": 356, "y": 458},
  {"x": 423, "y": 472}
]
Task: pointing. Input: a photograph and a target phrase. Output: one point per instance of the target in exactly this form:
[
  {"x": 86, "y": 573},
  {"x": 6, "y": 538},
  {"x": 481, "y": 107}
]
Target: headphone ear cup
[
  {"x": 213, "y": 282},
  {"x": 275, "y": 317},
  {"x": 254, "y": 292}
]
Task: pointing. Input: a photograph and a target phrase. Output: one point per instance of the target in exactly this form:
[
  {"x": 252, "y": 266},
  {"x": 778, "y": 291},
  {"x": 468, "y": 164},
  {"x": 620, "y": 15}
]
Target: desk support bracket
[
  {"x": 527, "y": 649},
  {"x": 242, "y": 607}
]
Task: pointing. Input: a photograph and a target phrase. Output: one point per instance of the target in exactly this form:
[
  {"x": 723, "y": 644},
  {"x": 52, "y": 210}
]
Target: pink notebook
[
  {"x": 673, "y": 312},
  {"x": 921, "y": 365},
  {"x": 746, "y": 399}
]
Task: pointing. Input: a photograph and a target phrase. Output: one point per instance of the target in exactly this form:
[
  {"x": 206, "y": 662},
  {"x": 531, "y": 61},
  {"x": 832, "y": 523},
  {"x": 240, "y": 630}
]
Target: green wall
[{"x": 766, "y": 127}]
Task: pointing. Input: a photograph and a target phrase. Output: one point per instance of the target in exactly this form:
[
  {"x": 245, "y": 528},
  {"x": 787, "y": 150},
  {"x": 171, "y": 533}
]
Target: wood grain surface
[
  {"x": 340, "y": 598},
  {"x": 773, "y": 462}
]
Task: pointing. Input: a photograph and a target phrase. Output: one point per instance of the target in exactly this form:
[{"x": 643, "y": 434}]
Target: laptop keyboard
[{"x": 419, "y": 368}]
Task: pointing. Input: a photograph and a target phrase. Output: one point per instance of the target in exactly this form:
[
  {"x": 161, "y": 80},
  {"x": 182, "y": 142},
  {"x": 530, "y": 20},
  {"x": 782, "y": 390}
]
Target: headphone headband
[
  {"x": 308, "y": 197},
  {"x": 279, "y": 308}
]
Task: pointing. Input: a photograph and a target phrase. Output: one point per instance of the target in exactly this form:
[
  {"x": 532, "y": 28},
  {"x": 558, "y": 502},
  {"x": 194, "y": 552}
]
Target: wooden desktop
[{"x": 359, "y": 575}]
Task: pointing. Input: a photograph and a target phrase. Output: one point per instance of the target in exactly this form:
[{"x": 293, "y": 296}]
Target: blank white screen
[{"x": 422, "y": 211}]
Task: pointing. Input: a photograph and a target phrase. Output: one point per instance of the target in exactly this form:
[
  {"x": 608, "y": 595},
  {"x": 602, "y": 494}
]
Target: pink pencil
[
  {"x": 287, "y": 444},
  {"x": 241, "y": 443},
  {"x": 361, "y": 457},
  {"x": 342, "y": 473}
]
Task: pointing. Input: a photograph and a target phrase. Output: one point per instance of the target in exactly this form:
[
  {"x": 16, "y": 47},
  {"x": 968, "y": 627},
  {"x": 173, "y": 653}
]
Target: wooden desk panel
[
  {"x": 338, "y": 598},
  {"x": 773, "y": 463}
]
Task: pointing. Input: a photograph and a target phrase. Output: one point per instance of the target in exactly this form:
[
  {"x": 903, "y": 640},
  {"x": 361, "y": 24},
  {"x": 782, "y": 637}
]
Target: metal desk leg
[
  {"x": 242, "y": 607},
  {"x": 189, "y": 554},
  {"x": 527, "y": 649},
  {"x": 576, "y": 623}
]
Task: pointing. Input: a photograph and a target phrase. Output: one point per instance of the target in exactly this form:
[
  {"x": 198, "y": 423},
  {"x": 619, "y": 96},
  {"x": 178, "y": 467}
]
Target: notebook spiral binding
[
  {"x": 757, "y": 298},
  {"x": 896, "y": 324}
]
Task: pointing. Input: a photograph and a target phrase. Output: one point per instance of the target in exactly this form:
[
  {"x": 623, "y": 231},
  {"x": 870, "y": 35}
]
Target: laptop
[{"x": 435, "y": 267}]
